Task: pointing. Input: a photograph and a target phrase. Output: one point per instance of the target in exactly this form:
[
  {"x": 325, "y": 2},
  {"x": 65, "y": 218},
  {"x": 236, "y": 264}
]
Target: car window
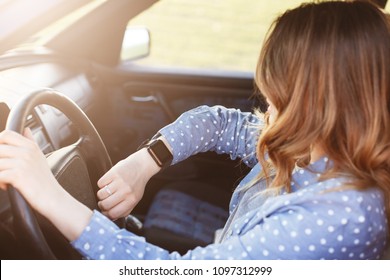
[{"x": 218, "y": 34}]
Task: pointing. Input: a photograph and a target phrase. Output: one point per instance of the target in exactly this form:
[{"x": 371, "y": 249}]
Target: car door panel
[{"x": 147, "y": 101}]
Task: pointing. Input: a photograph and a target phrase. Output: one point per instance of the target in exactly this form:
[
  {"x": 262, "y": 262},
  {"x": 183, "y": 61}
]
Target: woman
[{"x": 320, "y": 183}]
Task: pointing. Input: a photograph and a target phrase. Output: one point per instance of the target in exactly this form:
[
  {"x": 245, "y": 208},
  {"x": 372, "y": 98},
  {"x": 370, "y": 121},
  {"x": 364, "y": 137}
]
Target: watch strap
[{"x": 158, "y": 151}]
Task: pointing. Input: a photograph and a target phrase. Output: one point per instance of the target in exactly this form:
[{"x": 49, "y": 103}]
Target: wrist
[
  {"x": 50, "y": 196},
  {"x": 68, "y": 214},
  {"x": 147, "y": 164},
  {"x": 159, "y": 150}
]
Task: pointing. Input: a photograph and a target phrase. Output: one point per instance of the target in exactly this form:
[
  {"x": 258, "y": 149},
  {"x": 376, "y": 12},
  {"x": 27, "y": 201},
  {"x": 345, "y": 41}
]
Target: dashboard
[{"x": 51, "y": 129}]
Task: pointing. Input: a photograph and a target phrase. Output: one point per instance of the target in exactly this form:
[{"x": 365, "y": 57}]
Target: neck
[{"x": 316, "y": 153}]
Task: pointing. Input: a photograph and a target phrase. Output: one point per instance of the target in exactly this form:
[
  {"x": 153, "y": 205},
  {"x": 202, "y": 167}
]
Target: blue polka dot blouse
[{"x": 317, "y": 220}]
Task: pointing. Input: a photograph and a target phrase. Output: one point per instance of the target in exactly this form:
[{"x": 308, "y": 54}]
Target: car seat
[{"x": 184, "y": 215}]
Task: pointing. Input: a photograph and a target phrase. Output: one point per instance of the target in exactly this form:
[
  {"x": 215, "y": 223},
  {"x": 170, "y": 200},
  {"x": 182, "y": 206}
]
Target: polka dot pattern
[
  {"x": 312, "y": 222},
  {"x": 225, "y": 131}
]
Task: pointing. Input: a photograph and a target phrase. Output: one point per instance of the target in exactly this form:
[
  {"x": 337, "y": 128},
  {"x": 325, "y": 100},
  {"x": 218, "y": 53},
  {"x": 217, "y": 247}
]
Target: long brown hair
[{"x": 326, "y": 69}]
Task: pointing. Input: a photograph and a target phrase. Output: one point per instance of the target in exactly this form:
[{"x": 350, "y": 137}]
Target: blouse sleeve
[
  {"x": 334, "y": 225},
  {"x": 102, "y": 239},
  {"x": 225, "y": 131}
]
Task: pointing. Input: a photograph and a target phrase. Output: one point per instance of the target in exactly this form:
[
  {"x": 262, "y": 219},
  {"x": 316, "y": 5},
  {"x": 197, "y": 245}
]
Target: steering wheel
[{"x": 77, "y": 168}]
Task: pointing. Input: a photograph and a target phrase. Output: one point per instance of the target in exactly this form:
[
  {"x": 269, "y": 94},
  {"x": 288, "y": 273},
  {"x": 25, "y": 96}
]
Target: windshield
[{"x": 21, "y": 19}]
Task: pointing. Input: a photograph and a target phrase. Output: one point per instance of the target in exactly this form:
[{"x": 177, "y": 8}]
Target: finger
[
  {"x": 28, "y": 134},
  {"x": 110, "y": 202},
  {"x": 3, "y": 186},
  {"x": 7, "y": 151},
  {"x": 6, "y": 178},
  {"x": 119, "y": 211},
  {"x": 13, "y": 138},
  {"x": 10, "y": 137},
  {"x": 106, "y": 191},
  {"x": 9, "y": 163},
  {"x": 10, "y": 171},
  {"x": 105, "y": 180}
]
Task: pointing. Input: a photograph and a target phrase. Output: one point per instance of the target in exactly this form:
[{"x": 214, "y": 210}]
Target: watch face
[{"x": 160, "y": 153}]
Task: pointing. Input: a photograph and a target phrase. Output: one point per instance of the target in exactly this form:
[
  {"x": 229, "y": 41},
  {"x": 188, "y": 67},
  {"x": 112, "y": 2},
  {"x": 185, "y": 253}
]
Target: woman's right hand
[
  {"x": 122, "y": 187},
  {"x": 24, "y": 166}
]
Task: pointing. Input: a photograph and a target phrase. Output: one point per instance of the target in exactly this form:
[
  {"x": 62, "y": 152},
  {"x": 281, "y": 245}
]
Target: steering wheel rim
[{"x": 27, "y": 228}]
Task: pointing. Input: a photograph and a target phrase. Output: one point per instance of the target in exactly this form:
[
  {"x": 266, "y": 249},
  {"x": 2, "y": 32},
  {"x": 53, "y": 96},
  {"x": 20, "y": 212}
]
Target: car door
[
  {"x": 201, "y": 53},
  {"x": 150, "y": 93},
  {"x": 147, "y": 100}
]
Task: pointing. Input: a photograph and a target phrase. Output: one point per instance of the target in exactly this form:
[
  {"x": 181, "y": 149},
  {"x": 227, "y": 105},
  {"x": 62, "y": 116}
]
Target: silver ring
[{"x": 107, "y": 189}]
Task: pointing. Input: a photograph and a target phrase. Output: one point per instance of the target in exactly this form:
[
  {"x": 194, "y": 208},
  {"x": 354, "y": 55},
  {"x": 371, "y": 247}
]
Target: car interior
[
  {"x": 126, "y": 104},
  {"x": 118, "y": 106}
]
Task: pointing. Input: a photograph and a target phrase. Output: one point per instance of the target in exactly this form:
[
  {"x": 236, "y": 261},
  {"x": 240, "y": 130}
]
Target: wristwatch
[{"x": 158, "y": 151}]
